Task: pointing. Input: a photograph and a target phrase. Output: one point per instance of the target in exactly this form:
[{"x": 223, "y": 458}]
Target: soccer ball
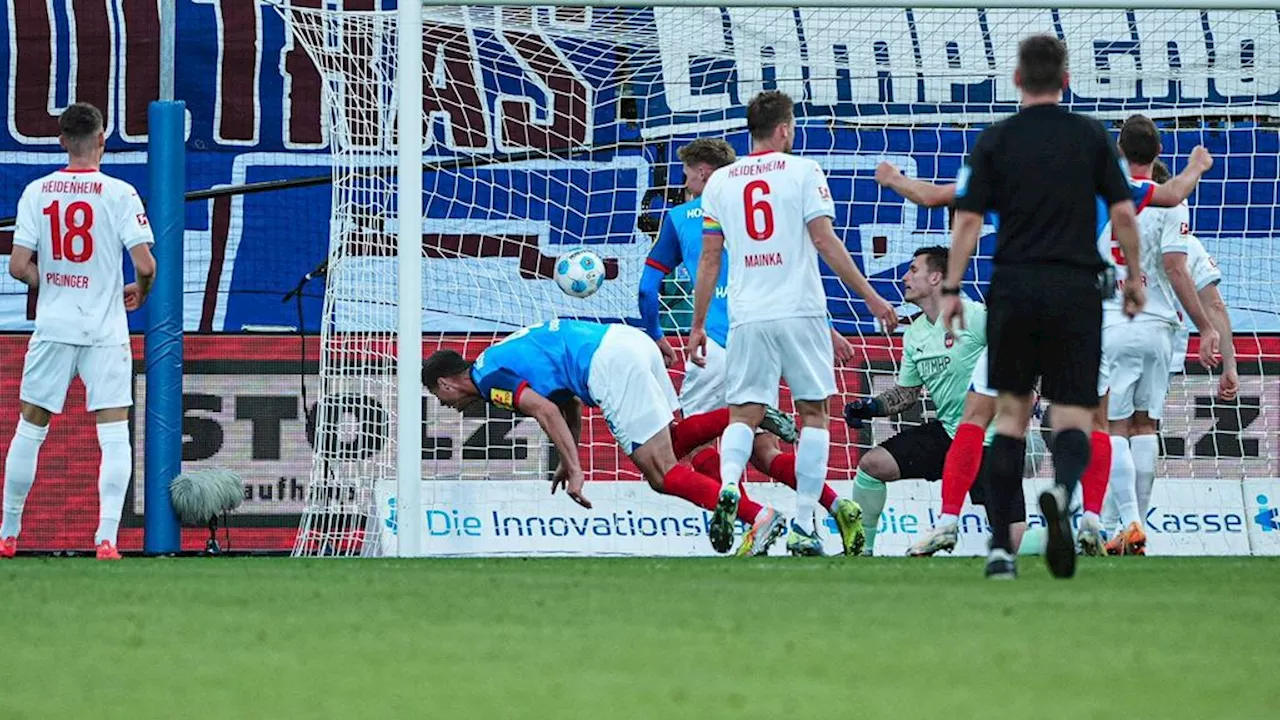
[{"x": 580, "y": 273}]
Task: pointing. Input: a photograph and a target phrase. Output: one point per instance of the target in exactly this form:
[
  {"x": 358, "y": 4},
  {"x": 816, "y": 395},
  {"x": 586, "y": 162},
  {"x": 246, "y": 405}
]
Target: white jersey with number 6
[
  {"x": 79, "y": 223},
  {"x": 762, "y": 204}
]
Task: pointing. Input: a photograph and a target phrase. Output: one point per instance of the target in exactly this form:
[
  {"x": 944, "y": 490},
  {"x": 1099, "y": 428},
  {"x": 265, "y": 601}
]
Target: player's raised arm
[
  {"x": 1179, "y": 187},
  {"x": 920, "y": 192},
  {"x": 553, "y": 422}
]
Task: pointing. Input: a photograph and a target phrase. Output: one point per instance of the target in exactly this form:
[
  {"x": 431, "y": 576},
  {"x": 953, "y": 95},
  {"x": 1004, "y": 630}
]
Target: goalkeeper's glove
[{"x": 861, "y": 410}]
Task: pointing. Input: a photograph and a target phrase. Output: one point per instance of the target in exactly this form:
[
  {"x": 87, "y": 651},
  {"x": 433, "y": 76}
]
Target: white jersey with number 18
[
  {"x": 763, "y": 204},
  {"x": 79, "y": 223}
]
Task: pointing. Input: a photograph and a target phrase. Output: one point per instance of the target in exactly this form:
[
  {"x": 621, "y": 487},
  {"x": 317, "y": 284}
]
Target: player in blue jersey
[
  {"x": 680, "y": 243},
  {"x": 964, "y": 458},
  {"x": 549, "y": 371}
]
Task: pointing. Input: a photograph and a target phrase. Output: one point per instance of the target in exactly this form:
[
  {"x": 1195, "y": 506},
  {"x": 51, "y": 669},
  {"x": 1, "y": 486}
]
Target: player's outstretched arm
[
  {"x": 920, "y": 192},
  {"x": 1179, "y": 187},
  {"x": 22, "y": 266},
  {"x": 571, "y": 411},
  {"x": 890, "y": 402},
  {"x": 1175, "y": 267},
  {"x": 1216, "y": 308},
  {"x": 832, "y": 249},
  {"x": 552, "y": 421}
]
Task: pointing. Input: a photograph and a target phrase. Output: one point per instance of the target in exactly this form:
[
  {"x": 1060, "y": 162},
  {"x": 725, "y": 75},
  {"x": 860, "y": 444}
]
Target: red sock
[
  {"x": 960, "y": 470},
  {"x": 783, "y": 469},
  {"x": 684, "y": 482},
  {"x": 707, "y": 462},
  {"x": 691, "y": 432},
  {"x": 1093, "y": 484}
]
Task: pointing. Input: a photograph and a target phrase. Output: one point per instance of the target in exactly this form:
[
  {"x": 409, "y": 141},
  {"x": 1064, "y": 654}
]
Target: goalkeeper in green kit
[{"x": 933, "y": 359}]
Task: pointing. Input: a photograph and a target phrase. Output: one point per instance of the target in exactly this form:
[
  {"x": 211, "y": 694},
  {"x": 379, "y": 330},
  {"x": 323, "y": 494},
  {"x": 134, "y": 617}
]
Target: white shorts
[
  {"x": 107, "y": 372},
  {"x": 978, "y": 383},
  {"x": 1136, "y": 356},
  {"x": 797, "y": 350},
  {"x": 629, "y": 381},
  {"x": 1181, "y": 342},
  {"x": 703, "y": 387}
]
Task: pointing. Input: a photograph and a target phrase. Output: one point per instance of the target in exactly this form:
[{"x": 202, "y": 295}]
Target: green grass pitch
[{"x": 636, "y": 638}]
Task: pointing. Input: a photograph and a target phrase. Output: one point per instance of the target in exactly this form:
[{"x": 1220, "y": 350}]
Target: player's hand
[
  {"x": 668, "y": 352},
  {"x": 1228, "y": 384},
  {"x": 1135, "y": 298},
  {"x": 1201, "y": 159},
  {"x": 132, "y": 297},
  {"x": 572, "y": 481},
  {"x": 1209, "y": 348},
  {"x": 886, "y": 173},
  {"x": 883, "y": 312},
  {"x": 859, "y": 411},
  {"x": 843, "y": 348},
  {"x": 696, "y": 348},
  {"x": 952, "y": 313}
]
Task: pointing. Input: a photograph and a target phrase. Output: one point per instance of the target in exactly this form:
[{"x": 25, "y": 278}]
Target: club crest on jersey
[
  {"x": 142, "y": 220},
  {"x": 502, "y": 398},
  {"x": 948, "y": 339}
]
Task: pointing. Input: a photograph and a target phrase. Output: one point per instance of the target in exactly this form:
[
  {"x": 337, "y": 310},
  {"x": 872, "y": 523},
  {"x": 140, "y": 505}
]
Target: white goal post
[{"x": 551, "y": 127}]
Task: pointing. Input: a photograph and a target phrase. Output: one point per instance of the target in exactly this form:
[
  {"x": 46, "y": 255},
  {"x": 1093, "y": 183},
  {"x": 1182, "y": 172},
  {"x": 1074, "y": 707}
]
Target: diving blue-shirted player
[
  {"x": 549, "y": 371},
  {"x": 680, "y": 243},
  {"x": 964, "y": 458}
]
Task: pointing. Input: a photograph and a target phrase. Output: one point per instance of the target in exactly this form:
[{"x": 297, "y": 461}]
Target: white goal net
[{"x": 554, "y": 128}]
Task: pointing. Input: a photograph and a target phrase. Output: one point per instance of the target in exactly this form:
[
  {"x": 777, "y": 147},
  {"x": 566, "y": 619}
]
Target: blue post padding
[{"x": 166, "y": 165}]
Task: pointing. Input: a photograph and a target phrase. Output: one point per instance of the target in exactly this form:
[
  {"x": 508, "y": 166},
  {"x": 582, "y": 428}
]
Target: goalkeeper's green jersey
[{"x": 943, "y": 362}]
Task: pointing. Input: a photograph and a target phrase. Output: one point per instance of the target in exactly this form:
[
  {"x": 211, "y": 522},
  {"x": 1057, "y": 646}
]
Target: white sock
[
  {"x": 735, "y": 451},
  {"x": 113, "y": 478},
  {"x": 947, "y": 519},
  {"x": 812, "y": 452},
  {"x": 1122, "y": 481},
  {"x": 1146, "y": 450},
  {"x": 1110, "y": 513},
  {"x": 20, "y": 474}
]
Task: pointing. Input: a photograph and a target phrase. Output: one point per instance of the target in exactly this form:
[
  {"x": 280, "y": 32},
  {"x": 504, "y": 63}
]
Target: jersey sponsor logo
[
  {"x": 504, "y": 399},
  {"x": 695, "y": 212},
  {"x": 764, "y": 260}
]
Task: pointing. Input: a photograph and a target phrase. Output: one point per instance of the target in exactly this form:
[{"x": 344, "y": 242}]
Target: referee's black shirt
[{"x": 1043, "y": 171}]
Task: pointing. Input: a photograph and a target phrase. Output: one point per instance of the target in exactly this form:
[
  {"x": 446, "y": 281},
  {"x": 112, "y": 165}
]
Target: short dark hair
[
  {"x": 442, "y": 364},
  {"x": 1042, "y": 64},
  {"x": 936, "y": 256},
  {"x": 767, "y": 111},
  {"x": 713, "y": 151},
  {"x": 80, "y": 123},
  {"x": 1160, "y": 172},
  {"x": 1139, "y": 140}
]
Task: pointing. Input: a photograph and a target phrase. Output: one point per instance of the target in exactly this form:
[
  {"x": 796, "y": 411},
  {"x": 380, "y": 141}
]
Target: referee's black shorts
[{"x": 1045, "y": 321}]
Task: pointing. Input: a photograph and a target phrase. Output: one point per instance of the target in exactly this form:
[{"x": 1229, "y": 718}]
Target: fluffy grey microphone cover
[{"x": 201, "y": 494}]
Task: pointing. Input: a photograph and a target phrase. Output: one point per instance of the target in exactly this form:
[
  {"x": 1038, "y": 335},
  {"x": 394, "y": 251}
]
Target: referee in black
[{"x": 1047, "y": 173}]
